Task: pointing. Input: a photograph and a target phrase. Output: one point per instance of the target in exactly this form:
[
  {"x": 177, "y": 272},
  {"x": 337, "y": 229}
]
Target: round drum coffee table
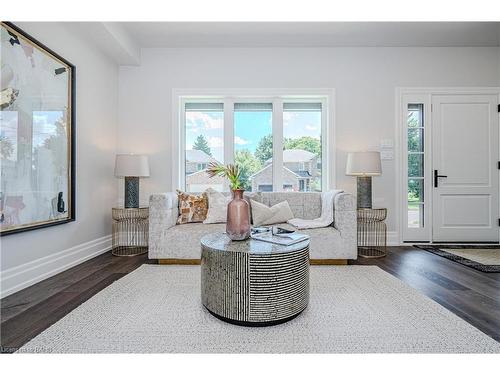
[{"x": 252, "y": 282}]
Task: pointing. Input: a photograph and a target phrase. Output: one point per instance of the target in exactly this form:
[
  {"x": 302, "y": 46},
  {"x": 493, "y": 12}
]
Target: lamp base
[
  {"x": 131, "y": 192},
  {"x": 364, "y": 191}
]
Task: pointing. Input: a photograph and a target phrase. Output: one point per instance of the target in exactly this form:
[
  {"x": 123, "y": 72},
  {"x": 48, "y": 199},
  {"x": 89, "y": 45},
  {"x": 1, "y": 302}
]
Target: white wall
[
  {"x": 31, "y": 256},
  {"x": 364, "y": 79}
]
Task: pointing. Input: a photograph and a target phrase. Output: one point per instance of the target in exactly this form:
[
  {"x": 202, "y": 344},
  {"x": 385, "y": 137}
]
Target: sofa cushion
[
  {"x": 217, "y": 207},
  {"x": 248, "y": 196},
  {"x": 192, "y": 208},
  {"x": 325, "y": 243},
  {"x": 264, "y": 215},
  {"x": 183, "y": 241},
  {"x": 256, "y": 196},
  {"x": 304, "y": 205}
]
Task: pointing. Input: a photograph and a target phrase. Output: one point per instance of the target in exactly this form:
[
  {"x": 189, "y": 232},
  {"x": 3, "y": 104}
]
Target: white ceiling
[{"x": 313, "y": 34}]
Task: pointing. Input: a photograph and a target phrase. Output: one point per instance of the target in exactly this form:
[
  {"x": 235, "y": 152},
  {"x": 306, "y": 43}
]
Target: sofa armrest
[
  {"x": 163, "y": 213},
  {"x": 163, "y": 210},
  {"x": 345, "y": 213},
  {"x": 344, "y": 202},
  {"x": 345, "y": 219}
]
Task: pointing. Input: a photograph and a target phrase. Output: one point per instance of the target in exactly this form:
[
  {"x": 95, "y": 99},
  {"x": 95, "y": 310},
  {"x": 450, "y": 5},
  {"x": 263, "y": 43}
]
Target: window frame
[
  {"x": 228, "y": 98},
  {"x": 423, "y": 233}
]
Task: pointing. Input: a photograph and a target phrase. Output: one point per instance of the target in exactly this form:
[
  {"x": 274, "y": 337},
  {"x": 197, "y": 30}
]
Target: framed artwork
[{"x": 37, "y": 134}]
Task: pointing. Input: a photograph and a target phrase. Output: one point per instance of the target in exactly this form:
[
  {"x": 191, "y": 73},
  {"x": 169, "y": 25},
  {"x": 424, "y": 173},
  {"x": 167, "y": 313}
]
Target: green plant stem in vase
[
  {"x": 230, "y": 171},
  {"x": 238, "y": 216}
]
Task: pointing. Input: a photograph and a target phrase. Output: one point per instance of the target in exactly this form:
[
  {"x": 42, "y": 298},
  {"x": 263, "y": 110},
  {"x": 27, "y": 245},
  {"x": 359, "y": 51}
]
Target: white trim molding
[{"x": 22, "y": 276}]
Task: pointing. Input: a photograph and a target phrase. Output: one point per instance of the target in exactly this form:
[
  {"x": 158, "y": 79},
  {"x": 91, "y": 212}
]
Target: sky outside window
[
  {"x": 210, "y": 126},
  {"x": 253, "y": 144}
]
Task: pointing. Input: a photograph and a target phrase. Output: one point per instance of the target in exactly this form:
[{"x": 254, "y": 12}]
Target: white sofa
[{"x": 172, "y": 243}]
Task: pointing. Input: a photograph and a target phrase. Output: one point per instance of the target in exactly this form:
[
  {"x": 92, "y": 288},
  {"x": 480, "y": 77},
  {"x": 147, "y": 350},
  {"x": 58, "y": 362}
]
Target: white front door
[{"x": 464, "y": 165}]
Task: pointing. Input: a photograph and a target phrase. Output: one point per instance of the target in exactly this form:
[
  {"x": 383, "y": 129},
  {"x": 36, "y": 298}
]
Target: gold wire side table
[
  {"x": 130, "y": 231},
  {"x": 372, "y": 232}
]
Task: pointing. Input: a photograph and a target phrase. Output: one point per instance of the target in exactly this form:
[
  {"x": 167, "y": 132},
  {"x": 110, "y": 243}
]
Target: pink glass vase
[{"x": 238, "y": 217}]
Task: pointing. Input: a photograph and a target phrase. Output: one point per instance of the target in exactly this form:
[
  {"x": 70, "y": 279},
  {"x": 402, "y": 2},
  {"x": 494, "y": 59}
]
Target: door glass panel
[
  {"x": 415, "y": 165},
  {"x": 415, "y": 215},
  {"x": 416, "y": 140},
  {"x": 416, "y": 190},
  {"x": 415, "y": 115}
]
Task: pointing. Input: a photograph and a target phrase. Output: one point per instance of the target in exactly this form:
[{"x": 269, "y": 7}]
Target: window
[
  {"x": 277, "y": 142},
  {"x": 302, "y": 143},
  {"x": 415, "y": 147},
  {"x": 253, "y": 144},
  {"x": 265, "y": 188},
  {"x": 416, "y": 181},
  {"x": 204, "y": 143}
]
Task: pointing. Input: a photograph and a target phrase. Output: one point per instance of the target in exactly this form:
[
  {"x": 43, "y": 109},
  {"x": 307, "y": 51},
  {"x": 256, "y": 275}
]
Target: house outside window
[
  {"x": 202, "y": 166},
  {"x": 296, "y": 170}
]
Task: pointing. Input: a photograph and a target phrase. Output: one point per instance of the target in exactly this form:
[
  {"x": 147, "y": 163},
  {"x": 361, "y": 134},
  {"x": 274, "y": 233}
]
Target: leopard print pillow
[{"x": 192, "y": 208}]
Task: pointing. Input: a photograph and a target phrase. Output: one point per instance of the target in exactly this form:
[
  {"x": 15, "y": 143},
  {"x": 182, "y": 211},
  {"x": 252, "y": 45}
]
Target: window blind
[
  {"x": 204, "y": 107},
  {"x": 260, "y": 107},
  {"x": 301, "y": 107},
  {"x": 415, "y": 107}
]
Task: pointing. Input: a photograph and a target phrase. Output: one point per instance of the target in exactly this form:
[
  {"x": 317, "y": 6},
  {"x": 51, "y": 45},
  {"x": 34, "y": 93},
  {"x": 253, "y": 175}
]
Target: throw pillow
[
  {"x": 217, "y": 207},
  {"x": 264, "y": 215},
  {"x": 248, "y": 196},
  {"x": 192, "y": 208}
]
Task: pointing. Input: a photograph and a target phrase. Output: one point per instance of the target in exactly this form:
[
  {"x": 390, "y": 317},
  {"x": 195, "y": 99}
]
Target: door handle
[{"x": 436, "y": 177}]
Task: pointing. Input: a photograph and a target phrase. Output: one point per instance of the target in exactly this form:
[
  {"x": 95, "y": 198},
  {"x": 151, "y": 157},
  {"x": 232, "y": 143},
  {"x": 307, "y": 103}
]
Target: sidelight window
[{"x": 416, "y": 167}]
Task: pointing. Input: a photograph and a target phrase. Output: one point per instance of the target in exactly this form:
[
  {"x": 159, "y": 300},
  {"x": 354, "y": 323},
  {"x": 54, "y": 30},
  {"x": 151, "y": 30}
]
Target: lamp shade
[
  {"x": 363, "y": 164},
  {"x": 131, "y": 165}
]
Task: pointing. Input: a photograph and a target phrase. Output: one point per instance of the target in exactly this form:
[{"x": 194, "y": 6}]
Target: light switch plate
[
  {"x": 386, "y": 143},
  {"x": 386, "y": 154}
]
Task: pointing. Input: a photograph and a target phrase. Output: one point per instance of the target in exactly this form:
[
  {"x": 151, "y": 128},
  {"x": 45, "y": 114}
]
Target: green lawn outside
[{"x": 413, "y": 203}]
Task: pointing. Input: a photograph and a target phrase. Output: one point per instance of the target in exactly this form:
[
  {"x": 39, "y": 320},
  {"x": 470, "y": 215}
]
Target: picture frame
[{"x": 37, "y": 134}]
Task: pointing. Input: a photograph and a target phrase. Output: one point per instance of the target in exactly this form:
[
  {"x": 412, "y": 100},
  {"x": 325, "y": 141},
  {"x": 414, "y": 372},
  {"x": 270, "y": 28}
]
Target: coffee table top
[{"x": 221, "y": 242}]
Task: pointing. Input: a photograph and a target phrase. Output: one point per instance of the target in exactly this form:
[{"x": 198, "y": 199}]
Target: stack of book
[{"x": 278, "y": 236}]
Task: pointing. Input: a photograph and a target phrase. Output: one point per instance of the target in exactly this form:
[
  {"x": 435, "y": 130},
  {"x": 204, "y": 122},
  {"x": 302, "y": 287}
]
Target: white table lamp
[{"x": 364, "y": 165}]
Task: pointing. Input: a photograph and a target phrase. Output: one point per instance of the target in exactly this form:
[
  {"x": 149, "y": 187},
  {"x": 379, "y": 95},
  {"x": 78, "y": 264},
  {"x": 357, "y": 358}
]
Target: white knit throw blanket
[{"x": 326, "y": 217}]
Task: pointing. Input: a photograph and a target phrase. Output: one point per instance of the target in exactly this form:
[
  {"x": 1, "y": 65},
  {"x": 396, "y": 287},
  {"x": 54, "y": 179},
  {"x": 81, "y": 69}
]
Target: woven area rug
[
  {"x": 352, "y": 309},
  {"x": 485, "y": 258}
]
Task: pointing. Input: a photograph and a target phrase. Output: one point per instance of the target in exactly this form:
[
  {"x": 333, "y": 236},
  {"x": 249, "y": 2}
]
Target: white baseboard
[
  {"x": 25, "y": 275},
  {"x": 393, "y": 239}
]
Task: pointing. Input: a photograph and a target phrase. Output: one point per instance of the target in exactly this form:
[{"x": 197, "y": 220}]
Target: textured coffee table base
[
  {"x": 254, "y": 324},
  {"x": 254, "y": 283}
]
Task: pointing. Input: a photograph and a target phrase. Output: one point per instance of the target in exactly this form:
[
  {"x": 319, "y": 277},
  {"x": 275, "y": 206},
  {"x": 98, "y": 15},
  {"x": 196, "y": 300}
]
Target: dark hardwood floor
[{"x": 472, "y": 295}]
